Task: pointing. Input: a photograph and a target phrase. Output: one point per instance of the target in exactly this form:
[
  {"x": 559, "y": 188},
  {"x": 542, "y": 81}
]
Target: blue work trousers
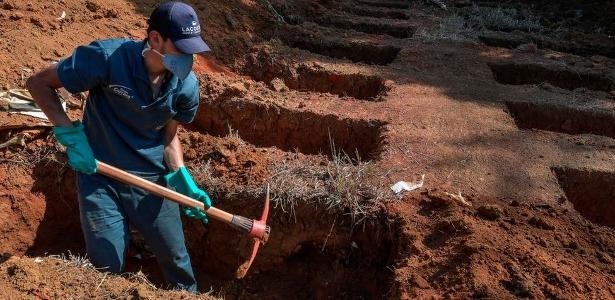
[{"x": 106, "y": 206}]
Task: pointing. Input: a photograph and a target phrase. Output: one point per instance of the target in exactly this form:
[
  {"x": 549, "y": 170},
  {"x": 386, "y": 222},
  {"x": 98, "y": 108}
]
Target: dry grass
[
  {"x": 72, "y": 261},
  {"x": 344, "y": 183},
  {"x": 73, "y": 277},
  {"x": 234, "y": 135},
  {"x": 45, "y": 154},
  {"x": 501, "y": 19},
  {"x": 466, "y": 23},
  {"x": 453, "y": 27}
]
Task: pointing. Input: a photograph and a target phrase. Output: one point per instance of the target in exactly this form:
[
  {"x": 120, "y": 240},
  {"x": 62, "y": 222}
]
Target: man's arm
[
  {"x": 173, "y": 155},
  {"x": 42, "y": 86},
  {"x": 179, "y": 178}
]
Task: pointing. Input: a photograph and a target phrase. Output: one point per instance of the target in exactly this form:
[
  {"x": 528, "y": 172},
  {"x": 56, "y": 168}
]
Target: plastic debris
[
  {"x": 408, "y": 187},
  {"x": 19, "y": 101}
]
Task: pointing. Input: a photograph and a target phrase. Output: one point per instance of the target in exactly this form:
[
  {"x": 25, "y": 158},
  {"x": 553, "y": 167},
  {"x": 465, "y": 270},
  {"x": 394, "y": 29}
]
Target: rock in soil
[
  {"x": 420, "y": 282},
  {"x": 490, "y": 212},
  {"x": 604, "y": 258},
  {"x": 540, "y": 223},
  {"x": 440, "y": 199}
]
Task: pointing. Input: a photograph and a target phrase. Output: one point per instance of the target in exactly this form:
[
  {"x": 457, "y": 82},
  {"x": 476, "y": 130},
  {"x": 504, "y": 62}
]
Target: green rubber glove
[
  {"x": 80, "y": 155},
  {"x": 183, "y": 183}
]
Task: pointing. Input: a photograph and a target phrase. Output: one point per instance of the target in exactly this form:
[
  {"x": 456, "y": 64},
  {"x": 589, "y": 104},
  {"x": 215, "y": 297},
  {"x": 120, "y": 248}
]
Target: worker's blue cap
[{"x": 179, "y": 22}]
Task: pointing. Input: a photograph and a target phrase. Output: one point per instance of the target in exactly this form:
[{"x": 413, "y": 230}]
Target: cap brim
[{"x": 191, "y": 45}]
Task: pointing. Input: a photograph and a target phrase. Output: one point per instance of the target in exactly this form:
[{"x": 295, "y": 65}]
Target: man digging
[{"x": 139, "y": 91}]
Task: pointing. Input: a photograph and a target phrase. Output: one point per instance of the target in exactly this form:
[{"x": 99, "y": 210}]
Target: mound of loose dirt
[
  {"x": 530, "y": 250},
  {"x": 230, "y": 160},
  {"x": 56, "y": 278}
]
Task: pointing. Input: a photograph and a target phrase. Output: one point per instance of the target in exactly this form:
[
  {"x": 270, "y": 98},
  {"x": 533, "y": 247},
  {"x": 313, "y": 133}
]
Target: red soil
[{"x": 443, "y": 114}]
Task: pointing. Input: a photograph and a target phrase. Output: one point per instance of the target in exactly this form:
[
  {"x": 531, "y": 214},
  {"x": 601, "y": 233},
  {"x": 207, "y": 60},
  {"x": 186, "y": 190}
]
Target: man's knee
[{"x": 106, "y": 256}]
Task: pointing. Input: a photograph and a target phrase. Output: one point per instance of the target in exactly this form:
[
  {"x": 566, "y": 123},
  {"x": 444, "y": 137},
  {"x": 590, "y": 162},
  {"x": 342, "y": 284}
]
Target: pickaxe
[{"x": 257, "y": 229}]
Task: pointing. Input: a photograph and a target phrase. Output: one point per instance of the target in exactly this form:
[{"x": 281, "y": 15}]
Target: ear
[{"x": 155, "y": 40}]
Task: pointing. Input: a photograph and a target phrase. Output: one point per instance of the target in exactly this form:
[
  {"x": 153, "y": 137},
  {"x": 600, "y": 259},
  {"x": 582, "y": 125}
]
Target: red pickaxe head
[{"x": 258, "y": 230}]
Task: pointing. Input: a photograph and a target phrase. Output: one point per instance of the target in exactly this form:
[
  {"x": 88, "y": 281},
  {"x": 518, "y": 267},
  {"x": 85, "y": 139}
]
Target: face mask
[{"x": 178, "y": 64}]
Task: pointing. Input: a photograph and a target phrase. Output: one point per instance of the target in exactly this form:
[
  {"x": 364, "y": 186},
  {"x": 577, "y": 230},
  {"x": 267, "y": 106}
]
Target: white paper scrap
[
  {"x": 405, "y": 186},
  {"x": 19, "y": 105}
]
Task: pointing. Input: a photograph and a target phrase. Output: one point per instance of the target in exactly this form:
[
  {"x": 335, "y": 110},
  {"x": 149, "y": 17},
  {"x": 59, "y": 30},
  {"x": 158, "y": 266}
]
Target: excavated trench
[
  {"x": 592, "y": 192},
  {"x": 334, "y": 47},
  {"x": 292, "y": 130},
  {"x": 314, "y": 78},
  {"x": 561, "y": 118},
  {"x": 397, "y": 30},
  {"x": 43, "y": 217},
  {"x": 569, "y": 45},
  {"x": 388, "y": 4},
  {"x": 558, "y": 75},
  {"x": 313, "y": 252},
  {"x": 359, "y": 86}
]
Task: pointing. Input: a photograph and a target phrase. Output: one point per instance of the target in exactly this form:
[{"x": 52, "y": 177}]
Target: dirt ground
[{"x": 507, "y": 109}]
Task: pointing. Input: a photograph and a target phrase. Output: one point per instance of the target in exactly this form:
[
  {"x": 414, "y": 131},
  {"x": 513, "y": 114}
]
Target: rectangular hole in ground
[
  {"x": 557, "y": 75},
  {"x": 360, "y": 86},
  {"x": 287, "y": 129},
  {"x": 340, "y": 48},
  {"x": 296, "y": 250},
  {"x": 262, "y": 67},
  {"x": 564, "y": 119},
  {"x": 383, "y": 27},
  {"x": 592, "y": 192},
  {"x": 583, "y": 47},
  {"x": 389, "y": 27}
]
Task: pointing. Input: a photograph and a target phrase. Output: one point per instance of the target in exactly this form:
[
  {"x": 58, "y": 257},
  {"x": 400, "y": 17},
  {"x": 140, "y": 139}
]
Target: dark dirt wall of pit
[
  {"x": 307, "y": 132},
  {"x": 560, "y": 118},
  {"x": 40, "y": 209},
  {"x": 592, "y": 192},
  {"x": 267, "y": 67},
  {"x": 311, "y": 252}
]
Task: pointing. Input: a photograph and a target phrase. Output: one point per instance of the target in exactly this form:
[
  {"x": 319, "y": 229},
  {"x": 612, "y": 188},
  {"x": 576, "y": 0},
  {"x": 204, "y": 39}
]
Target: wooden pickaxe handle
[
  {"x": 125, "y": 177},
  {"x": 241, "y": 223}
]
